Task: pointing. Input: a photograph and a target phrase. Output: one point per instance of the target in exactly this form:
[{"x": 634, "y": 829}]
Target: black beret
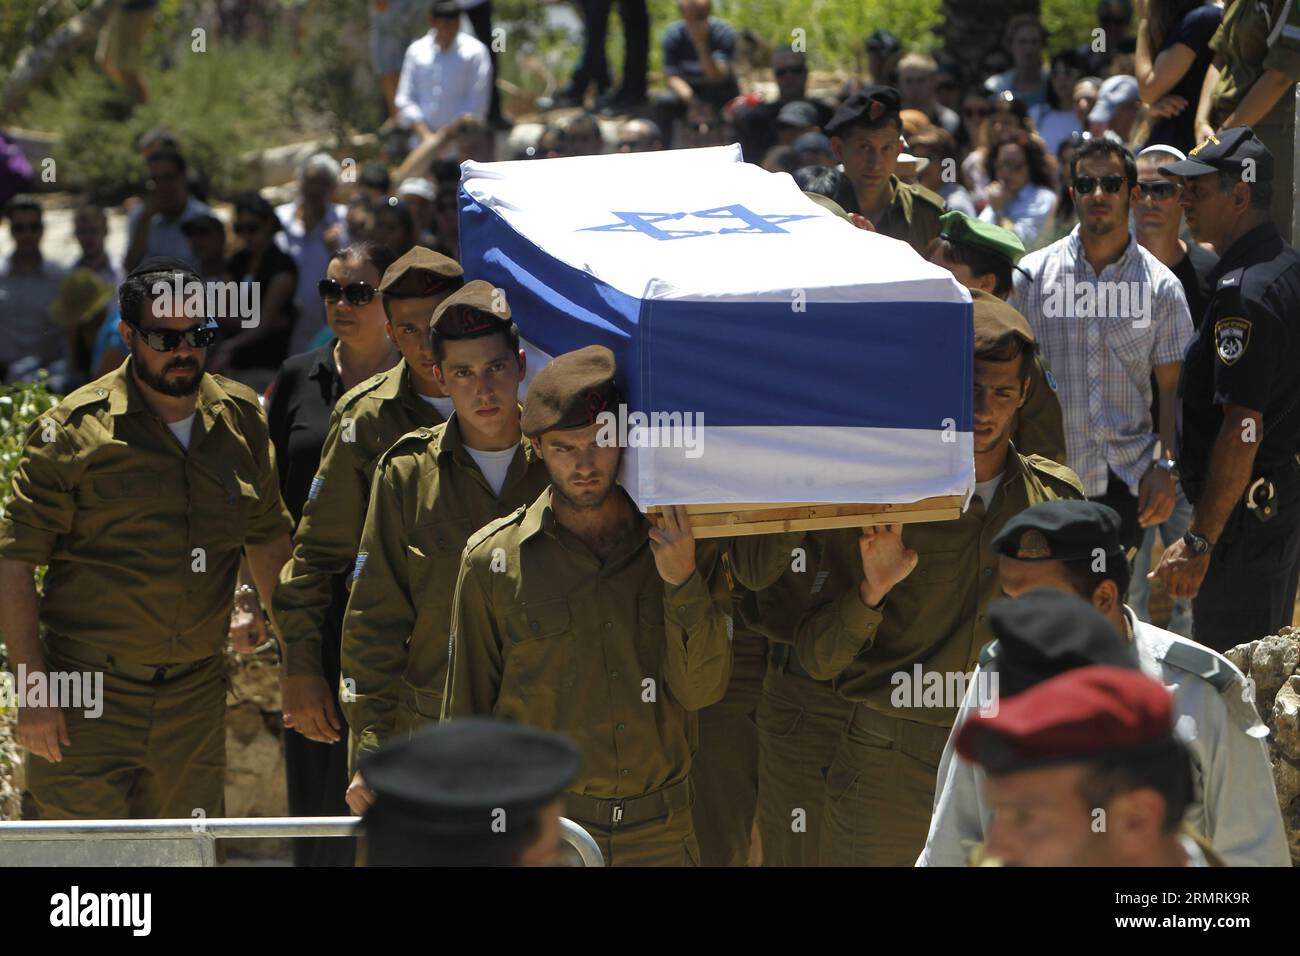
[
  {"x": 868, "y": 106},
  {"x": 451, "y": 779},
  {"x": 571, "y": 391},
  {"x": 476, "y": 307},
  {"x": 420, "y": 274},
  {"x": 1060, "y": 531},
  {"x": 1047, "y": 632}
]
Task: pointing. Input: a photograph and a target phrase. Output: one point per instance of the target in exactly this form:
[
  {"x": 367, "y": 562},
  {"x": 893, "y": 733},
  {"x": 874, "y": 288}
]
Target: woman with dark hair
[
  {"x": 1020, "y": 196},
  {"x": 1006, "y": 114},
  {"x": 1063, "y": 217},
  {"x": 255, "y": 346},
  {"x": 1172, "y": 57},
  {"x": 975, "y": 109},
  {"x": 394, "y": 227},
  {"x": 301, "y": 401},
  {"x": 1057, "y": 118}
]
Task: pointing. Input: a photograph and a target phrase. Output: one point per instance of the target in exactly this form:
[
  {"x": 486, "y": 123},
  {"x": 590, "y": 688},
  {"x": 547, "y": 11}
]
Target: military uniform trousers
[
  {"x": 725, "y": 768},
  {"x": 655, "y": 829},
  {"x": 157, "y": 750},
  {"x": 1250, "y": 588},
  {"x": 880, "y": 790},
  {"x": 799, "y": 724}
]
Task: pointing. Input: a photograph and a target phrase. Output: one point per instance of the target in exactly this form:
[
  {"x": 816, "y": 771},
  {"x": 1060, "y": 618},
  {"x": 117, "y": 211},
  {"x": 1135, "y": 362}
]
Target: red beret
[{"x": 1084, "y": 713}]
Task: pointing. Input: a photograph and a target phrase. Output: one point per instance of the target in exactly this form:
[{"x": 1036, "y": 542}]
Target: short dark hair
[
  {"x": 438, "y": 341},
  {"x": 1261, "y": 194},
  {"x": 1085, "y": 580},
  {"x": 136, "y": 290},
  {"x": 1164, "y": 766},
  {"x": 829, "y": 182},
  {"x": 981, "y": 262},
  {"x": 168, "y": 155},
  {"x": 1105, "y": 146},
  {"x": 22, "y": 203},
  {"x": 1008, "y": 348},
  {"x": 377, "y": 256},
  {"x": 255, "y": 204}
]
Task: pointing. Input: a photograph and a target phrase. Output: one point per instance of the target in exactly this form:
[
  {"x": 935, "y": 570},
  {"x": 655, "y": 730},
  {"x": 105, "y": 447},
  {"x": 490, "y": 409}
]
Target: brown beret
[
  {"x": 419, "y": 274},
  {"x": 476, "y": 307},
  {"x": 995, "y": 320},
  {"x": 571, "y": 391}
]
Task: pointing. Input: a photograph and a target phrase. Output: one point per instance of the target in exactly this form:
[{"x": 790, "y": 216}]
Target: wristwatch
[
  {"x": 1169, "y": 466},
  {"x": 1199, "y": 544}
]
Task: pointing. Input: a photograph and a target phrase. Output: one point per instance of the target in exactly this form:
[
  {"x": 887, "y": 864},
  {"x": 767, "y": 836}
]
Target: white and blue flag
[{"x": 824, "y": 363}]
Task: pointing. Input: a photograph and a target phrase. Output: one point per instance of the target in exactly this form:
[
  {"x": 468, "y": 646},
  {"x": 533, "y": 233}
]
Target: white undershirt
[
  {"x": 183, "y": 429},
  {"x": 443, "y": 405},
  {"x": 987, "y": 489},
  {"x": 494, "y": 465}
]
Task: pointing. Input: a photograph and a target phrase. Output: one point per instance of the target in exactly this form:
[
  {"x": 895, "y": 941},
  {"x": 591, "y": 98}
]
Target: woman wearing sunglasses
[
  {"x": 252, "y": 355},
  {"x": 301, "y": 402}
]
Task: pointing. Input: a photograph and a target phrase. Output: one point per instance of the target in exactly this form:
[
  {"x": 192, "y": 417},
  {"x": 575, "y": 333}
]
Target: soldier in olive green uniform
[
  {"x": 575, "y": 615},
  {"x": 981, "y": 255},
  {"x": 866, "y": 133},
  {"x": 138, "y": 491},
  {"x": 883, "y": 604},
  {"x": 432, "y": 490},
  {"x": 364, "y": 424},
  {"x": 726, "y": 766},
  {"x": 1254, "y": 73}
]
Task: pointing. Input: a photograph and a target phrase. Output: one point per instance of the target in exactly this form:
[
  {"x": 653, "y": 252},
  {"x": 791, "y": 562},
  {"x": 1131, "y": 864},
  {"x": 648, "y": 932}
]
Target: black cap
[
  {"x": 1228, "y": 151},
  {"x": 162, "y": 264},
  {"x": 1047, "y": 632},
  {"x": 1060, "y": 531},
  {"x": 870, "y": 106},
  {"x": 883, "y": 42},
  {"x": 459, "y": 780}
]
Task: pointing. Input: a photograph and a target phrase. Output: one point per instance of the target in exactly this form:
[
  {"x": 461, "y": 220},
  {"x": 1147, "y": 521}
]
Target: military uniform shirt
[
  {"x": 607, "y": 654},
  {"x": 1256, "y": 35},
  {"x": 935, "y": 616},
  {"x": 428, "y": 497},
  {"x": 1247, "y": 352},
  {"x": 1235, "y": 803},
  {"x": 364, "y": 424},
  {"x": 912, "y": 214},
  {"x": 143, "y": 537}
]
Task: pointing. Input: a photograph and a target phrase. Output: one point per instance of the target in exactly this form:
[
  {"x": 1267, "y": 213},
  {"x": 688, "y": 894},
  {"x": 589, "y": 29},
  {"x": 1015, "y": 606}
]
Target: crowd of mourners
[{"x": 1156, "y": 160}]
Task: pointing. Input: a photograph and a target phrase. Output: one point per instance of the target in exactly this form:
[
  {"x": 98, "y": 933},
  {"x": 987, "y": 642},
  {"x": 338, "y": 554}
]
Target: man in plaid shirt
[{"x": 1108, "y": 315}]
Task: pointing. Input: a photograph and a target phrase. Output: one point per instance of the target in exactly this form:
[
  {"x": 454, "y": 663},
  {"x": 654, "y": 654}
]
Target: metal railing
[{"x": 192, "y": 842}]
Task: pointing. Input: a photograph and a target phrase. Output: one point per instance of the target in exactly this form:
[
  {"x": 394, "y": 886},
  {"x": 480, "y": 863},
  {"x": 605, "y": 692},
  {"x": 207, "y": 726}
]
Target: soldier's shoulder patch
[
  {"x": 493, "y": 526},
  {"x": 1231, "y": 338},
  {"x": 1061, "y": 478},
  {"x": 1200, "y": 662},
  {"x": 989, "y": 653}
]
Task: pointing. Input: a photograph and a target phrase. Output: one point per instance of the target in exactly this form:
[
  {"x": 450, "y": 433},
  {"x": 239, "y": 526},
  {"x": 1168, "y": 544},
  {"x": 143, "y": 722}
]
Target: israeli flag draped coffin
[{"x": 822, "y": 363}]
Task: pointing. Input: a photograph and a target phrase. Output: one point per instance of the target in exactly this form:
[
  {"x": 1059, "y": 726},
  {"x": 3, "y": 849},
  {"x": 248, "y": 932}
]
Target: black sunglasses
[
  {"x": 166, "y": 340},
  {"x": 357, "y": 293},
  {"x": 1160, "y": 189},
  {"x": 1084, "y": 185}
]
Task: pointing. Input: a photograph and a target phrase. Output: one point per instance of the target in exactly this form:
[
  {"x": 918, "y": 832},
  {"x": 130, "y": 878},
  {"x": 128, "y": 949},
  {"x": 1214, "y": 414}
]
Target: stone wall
[{"x": 1273, "y": 663}]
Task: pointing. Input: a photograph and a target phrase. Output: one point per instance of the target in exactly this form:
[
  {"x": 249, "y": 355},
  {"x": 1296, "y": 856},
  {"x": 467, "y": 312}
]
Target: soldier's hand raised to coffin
[
  {"x": 673, "y": 545},
  {"x": 885, "y": 561}
]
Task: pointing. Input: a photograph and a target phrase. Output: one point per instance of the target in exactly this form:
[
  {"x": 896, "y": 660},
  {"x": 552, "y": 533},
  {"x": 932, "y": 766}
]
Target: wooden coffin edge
[{"x": 727, "y": 520}]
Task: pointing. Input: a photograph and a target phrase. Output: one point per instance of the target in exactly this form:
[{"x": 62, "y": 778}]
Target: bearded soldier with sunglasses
[
  {"x": 364, "y": 423},
  {"x": 137, "y": 492}
]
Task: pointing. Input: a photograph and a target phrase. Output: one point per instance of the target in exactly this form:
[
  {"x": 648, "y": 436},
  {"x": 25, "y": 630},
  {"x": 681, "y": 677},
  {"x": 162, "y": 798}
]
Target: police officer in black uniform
[{"x": 1239, "y": 427}]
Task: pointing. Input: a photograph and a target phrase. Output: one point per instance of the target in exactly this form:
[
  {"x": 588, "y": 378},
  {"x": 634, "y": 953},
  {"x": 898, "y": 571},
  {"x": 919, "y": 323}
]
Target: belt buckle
[{"x": 617, "y": 817}]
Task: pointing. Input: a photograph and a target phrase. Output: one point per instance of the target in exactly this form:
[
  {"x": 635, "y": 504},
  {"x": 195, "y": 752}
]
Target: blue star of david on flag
[{"x": 646, "y": 223}]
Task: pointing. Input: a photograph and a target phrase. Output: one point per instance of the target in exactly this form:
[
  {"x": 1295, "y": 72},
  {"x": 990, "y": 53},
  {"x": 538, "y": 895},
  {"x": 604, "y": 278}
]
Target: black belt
[
  {"x": 609, "y": 814},
  {"x": 786, "y": 659},
  {"x": 924, "y": 741},
  {"x": 147, "y": 673}
]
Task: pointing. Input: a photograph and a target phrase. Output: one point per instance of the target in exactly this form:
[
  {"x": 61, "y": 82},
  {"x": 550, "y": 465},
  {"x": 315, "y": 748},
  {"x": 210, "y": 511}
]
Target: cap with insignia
[
  {"x": 571, "y": 391},
  {"x": 449, "y": 783},
  {"x": 1083, "y": 714},
  {"x": 1047, "y": 632},
  {"x": 960, "y": 228},
  {"x": 1227, "y": 151},
  {"x": 474, "y": 308},
  {"x": 1060, "y": 531},
  {"x": 420, "y": 274},
  {"x": 867, "y": 107},
  {"x": 995, "y": 320}
]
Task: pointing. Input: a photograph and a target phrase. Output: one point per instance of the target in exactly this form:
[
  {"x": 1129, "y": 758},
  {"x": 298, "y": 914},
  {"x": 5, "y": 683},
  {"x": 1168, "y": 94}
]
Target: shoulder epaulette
[
  {"x": 409, "y": 442},
  {"x": 493, "y": 526},
  {"x": 358, "y": 391},
  {"x": 238, "y": 391},
  {"x": 1231, "y": 279},
  {"x": 933, "y": 198},
  {"x": 1056, "y": 471},
  {"x": 1200, "y": 662},
  {"x": 989, "y": 653}
]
